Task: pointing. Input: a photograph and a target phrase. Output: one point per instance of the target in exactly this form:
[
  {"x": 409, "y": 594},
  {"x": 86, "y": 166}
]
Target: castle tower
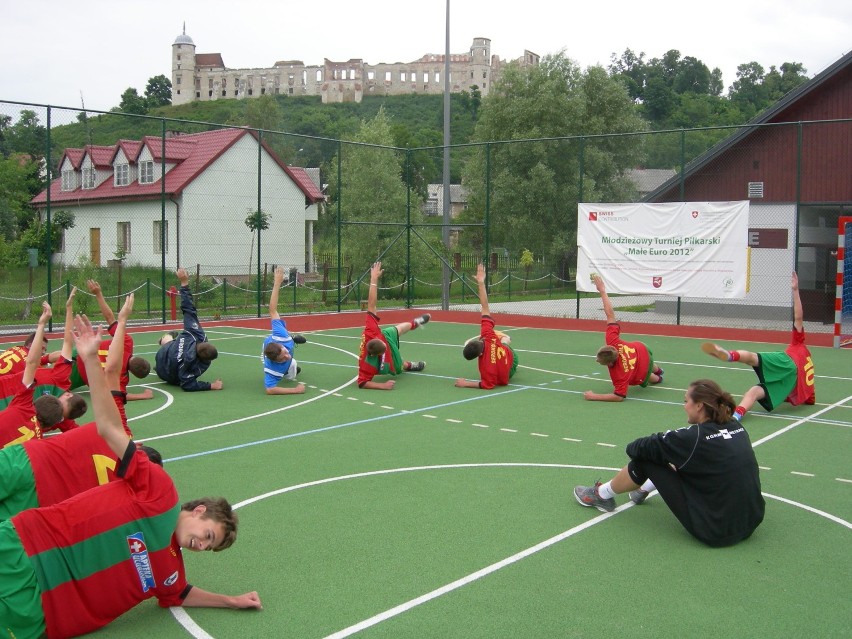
[
  {"x": 183, "y": 69},
  {"x": 480, "y": 57}
]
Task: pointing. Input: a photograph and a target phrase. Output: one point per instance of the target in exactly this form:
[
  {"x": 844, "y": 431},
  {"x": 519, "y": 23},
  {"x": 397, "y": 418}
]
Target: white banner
[{"x": 686, "y": 249}]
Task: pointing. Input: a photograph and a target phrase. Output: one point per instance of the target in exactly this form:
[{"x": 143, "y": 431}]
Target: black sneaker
[
  {"x": 416, "y": 366},
  {"x": 588, "y": 496},
  {"x": 298, "y": 339},
  {"x": 298, "y": 370},
  {"x": 423, "y": 319}
]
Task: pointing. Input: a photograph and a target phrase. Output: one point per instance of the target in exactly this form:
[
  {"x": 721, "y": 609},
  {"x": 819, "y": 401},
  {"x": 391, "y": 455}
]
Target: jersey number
[{"x": 102, "y": 465}]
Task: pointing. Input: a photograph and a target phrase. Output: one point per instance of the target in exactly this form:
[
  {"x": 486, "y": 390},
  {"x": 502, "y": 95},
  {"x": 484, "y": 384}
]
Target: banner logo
[
  {"x": 593, "y": 216},
  {"x": 657, "y": 281},
  {"x": 694, "y": 214}
]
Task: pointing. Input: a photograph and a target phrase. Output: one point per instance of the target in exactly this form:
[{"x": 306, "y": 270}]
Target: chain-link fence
[{"x": 131, "y": 198}]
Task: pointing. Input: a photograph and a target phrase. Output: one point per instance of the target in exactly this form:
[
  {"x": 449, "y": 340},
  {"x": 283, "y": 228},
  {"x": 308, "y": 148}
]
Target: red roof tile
[{"x": 191, "y": 154}]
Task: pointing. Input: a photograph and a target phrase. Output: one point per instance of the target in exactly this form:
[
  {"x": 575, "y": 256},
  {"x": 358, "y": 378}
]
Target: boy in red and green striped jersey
[
  {"x": 73, "y": 567},
  {"x": 42, "y": 472}
]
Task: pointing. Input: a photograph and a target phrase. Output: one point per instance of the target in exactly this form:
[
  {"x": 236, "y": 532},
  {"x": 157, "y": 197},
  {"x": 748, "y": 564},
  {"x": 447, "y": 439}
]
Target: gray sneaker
[
  {"x": 638, "y": 496},
  {"x": 588, "y": 496},
  {"x": 416, "y": 366},
  {"x": 423, "y": 319}
]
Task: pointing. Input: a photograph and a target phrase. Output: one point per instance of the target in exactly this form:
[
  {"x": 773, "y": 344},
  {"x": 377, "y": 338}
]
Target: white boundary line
[{"x": 184, "y": 619}]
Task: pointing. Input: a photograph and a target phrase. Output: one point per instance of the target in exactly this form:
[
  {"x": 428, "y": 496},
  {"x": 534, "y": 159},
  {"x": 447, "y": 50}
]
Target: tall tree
[
  {"x": 27, "y": 136},
  {"x": 158, "y": 92},
  {"x": 535, "y": 183},
  {"x": 374, "y": 199},
  {"x": 132, "y": 102}
]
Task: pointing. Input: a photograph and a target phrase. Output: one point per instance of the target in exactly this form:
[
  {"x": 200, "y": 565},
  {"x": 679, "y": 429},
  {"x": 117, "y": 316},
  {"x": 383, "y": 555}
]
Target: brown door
[{"x": 95, "y": 246}]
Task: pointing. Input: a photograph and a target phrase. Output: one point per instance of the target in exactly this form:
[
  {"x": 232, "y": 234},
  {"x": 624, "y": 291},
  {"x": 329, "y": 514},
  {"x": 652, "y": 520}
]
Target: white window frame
[
  {"x": 161, "y": 242},
  {"x": 146, "y": 172},
  {"x": 90, "y": 178},
  {"x": 122, "y": 174},
  {"x": 69, "y": 180},
  {"x": 122, "y": 235}
]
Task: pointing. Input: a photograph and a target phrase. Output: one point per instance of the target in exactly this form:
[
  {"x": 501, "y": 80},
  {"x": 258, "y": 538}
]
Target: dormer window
[
  {"x": 69, "y": 180},
  {"x": 89, "y": 178},
  {"x": 122, "y": 174},
  {"x": 146, "y": 172}
]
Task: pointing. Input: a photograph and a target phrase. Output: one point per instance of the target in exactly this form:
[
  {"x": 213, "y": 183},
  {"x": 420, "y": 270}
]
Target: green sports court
[{"x": 436, "y": 511}]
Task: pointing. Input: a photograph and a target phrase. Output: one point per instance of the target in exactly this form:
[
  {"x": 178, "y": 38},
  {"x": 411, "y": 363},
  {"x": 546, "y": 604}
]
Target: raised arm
[
  {"x": 798, "y": 313},
  {"x": 373, "y": 294},
  {"x": 34, "y": 355},
  {"x": 106, "y": 311},
  {"x": 483, "y": 293},
  {"x": 187, "y": 308},
  {"x": 67, "y": 339},
  {"x": 278, "y": 278},
  {"x": 115, "y": 354},
  {"x": 88, "y": 341},
  {"x": 607, "y": 305}
]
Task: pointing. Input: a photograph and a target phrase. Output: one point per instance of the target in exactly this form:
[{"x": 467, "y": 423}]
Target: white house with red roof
[{"x": 188, "y": 195}]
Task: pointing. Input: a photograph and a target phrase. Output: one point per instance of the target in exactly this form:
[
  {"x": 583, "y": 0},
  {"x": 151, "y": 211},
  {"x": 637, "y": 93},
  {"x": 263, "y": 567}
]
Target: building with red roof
[{"x": 187, "y": 195}]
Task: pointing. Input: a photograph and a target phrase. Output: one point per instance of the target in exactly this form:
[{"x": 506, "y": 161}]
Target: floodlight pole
[{"x": 445, "y": 235}]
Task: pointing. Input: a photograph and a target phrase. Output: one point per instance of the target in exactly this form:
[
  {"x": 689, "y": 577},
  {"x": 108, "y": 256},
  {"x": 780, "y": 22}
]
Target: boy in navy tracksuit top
[{"x": 184, "y": 357}]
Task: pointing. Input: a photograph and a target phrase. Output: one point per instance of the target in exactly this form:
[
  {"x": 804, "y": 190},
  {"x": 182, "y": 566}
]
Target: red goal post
[{"x": 841, "y": 337}]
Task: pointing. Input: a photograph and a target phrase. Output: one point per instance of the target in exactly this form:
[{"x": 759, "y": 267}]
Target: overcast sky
[{"x": 53, "y": 51}]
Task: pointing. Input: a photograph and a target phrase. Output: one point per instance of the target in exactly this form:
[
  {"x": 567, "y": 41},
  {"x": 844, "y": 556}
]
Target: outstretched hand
[
  {"x": 599, "y": 283},
  {"x": 127, "y": 308},
  {"x": 183, "y": 276},
  {"x": 480, "y": 274},
  {"x": 794, "y": 283},
  {"x": 46, "y": 313},
  {"x": 94, "y": 287},
  {"x": 69, "y": 303},
  {"x": 279, "y": 275},
  {"x": 376, "y": 272}
]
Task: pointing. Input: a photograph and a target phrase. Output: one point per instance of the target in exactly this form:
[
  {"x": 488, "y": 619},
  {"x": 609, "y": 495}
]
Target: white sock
[
  {"x": 648, "y": 486},
  {"x": 605, "y": 491}
]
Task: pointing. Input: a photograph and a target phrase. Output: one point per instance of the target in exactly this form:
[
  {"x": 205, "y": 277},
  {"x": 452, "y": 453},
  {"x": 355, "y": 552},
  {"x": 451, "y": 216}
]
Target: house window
[
  {"x": 122, "y": 174},
  {"x": 371, "y": 75},
  {"x": 89, "y": 178},
  {"x": 402, "y": 76},
  {"x": 146, "y": 172},
  {"x": 122, "y": 238},
  {"x": 161, "y": 238},
  {"x": 69, "y": 183}
]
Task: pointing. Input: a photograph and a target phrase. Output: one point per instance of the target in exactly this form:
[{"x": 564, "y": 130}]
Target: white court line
[
  {"x": 258, "y": 415},
  {"x": 801, "y": 421}
]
